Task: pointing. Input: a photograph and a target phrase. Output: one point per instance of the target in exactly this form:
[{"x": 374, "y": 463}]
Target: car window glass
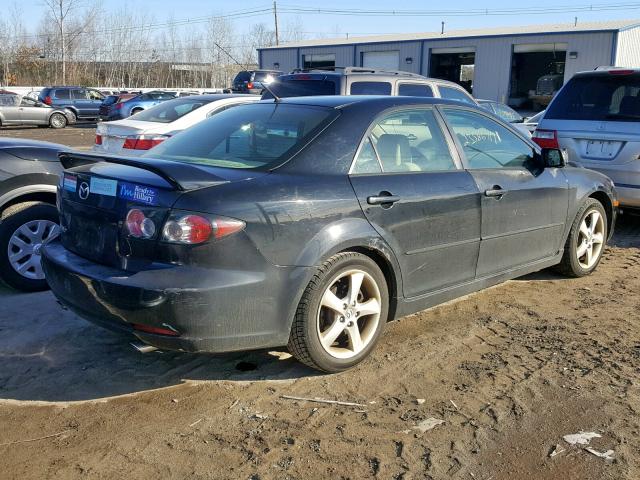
[
  {"x": 486, "y": 143},
  {"x": 256, "y": 136},
  {"x": 264, "y": 76},
  {"x": 414, "y": 90},
  {"x": 367, "y": 160},
  {"x": 243, "y": 76},
  {"x": 411, "y": 141},
  {"x": 79, "y": 94},
  {"x": 370, "y": 88},
  {"x": 62, "y": 94},
  {"x": 598, "y": 97},
  {"x": 27, "y": 102},
  {"x": 507, "y": 113},
  {"x": 95, "y": 95},
  {"x": 171, "y": 110},
  {"x": 9, "y": 100},
  {"x": 454, "y": 94},
  {"x": 301, "y": 88}
]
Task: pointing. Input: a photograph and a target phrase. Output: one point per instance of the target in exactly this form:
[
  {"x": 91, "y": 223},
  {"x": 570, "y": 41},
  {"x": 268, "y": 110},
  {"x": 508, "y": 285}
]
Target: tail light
[
  {"x": 119, "y": 105},
  {"x": 546, "y": 138},
  {"x": 250, "y": 85},
  {"x": 98, "y": 139},
  {"x": 191, "y": 229},
  {"x": 47, "y": 100},
  {"x": 621, "y": 72},
  {"x": 139, "y": 225},
  {"x": 155, "y": 330},
  {"x": 143, "y": 142}
]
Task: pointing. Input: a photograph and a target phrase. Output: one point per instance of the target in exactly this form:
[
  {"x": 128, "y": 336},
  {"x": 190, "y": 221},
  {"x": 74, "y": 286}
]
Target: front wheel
[
  {"x": 586, "y": 241},
  {"x": 24, "y": 229},
  {"x": 58, "y": 120},
  {"x": 341, "y": 314}
]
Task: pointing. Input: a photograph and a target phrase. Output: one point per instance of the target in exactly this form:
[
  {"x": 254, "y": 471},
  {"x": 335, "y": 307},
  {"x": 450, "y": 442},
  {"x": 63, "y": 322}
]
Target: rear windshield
[
  {"x": 301, "y": 88},
  {"x": 242, "y": 77},
  {"x": 249, "y": 136},
  {"x": 261, "y": 76},
  {"x": 171, "y": 110},
  {"x": 601, "y": 97}
]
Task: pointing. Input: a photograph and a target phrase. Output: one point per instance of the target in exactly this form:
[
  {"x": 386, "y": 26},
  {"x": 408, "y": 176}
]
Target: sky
[{"x": 316, "y": 24}]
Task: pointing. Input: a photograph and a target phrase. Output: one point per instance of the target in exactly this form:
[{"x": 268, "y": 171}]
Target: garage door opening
[
  {"x": 381, "y": 60},
  {"x": 537, "y": 73},
  {"x": 453, "y": 64}
]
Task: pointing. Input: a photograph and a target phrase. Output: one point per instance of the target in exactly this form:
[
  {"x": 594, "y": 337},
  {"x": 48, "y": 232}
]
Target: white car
[{"x": 135, "y": 135}]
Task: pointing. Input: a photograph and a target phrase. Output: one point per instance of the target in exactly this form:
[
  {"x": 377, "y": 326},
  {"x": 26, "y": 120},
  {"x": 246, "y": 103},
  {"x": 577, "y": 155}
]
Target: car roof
[{"x": 383, "y": 101}]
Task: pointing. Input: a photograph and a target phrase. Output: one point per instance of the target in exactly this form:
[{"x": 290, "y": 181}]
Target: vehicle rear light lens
[
  {"x": 546, "y": 138},
  {"x": 250, "y": 85},
  {"x": 119, "y": 105},
  {"x": 98, "y": 139},
  {"x": 155, "y": 330},
  {"x": 193, "y": 229},
  {"x": 47, "y": 100},
  {"x": 301, "y": 77},
  {"x": 139, "y": 225},
  {"x": 143, "y": 142},
  {"x": 621, "y": 72}
]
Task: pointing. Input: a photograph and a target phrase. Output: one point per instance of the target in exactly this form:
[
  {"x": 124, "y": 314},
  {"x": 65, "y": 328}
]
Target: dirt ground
[
  {"x": 81, "y": 136},
  {"x": 509, "y": 370}
]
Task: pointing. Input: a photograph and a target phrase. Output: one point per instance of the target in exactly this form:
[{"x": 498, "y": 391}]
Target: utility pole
[
  {"x": 275, "y": 18},
  {"x": 62, "y": 42}
]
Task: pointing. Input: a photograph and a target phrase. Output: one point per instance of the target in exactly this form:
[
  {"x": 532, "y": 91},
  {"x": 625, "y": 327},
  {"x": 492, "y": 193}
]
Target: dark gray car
[
  {"x": 313, "y": 221},
  {"x": 19, "y": 110}
]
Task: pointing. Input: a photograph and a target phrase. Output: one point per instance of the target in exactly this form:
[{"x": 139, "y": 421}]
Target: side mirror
[{"x": 553, "y": 158}]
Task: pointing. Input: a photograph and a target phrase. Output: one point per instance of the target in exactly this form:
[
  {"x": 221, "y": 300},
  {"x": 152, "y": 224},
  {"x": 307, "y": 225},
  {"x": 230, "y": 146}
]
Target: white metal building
[{"x": 501, "y": 64}]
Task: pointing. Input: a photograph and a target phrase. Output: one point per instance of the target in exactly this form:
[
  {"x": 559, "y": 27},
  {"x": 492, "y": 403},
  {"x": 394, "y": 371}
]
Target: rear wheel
[
  {"x": 58, "y": 120},
  {"x": 24, "y": 229},
  {"x": 586, "y": 241},
  {"x": 341, "y": 314}
]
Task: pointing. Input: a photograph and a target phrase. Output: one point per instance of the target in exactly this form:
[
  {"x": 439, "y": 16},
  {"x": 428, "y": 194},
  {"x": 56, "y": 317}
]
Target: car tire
[
  {"x": 15, "y": 221},
  {"x": 57, "y": 121},
  {"x": 586, "y": 241},
  {"x": 72, "y": 117},
  {"x": 336, "y": 338}
]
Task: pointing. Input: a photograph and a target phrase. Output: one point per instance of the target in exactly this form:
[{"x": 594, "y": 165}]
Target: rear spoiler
[{"x": 181, "y": 176}]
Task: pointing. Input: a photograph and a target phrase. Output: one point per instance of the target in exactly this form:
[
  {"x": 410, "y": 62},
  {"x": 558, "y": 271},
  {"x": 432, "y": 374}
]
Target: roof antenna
[
  {"x": 575, "y": 21},
  {"x": 442, "y": 31},
  {"x": 275, "y": 97}
]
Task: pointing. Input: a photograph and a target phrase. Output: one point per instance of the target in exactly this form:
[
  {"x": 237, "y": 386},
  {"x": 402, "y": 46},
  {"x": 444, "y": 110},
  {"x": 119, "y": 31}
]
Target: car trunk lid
[{"x": 97, "y": 192}]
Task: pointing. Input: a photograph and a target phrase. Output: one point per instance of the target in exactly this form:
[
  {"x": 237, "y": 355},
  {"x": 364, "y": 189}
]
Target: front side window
[
  {"x": 95, "y": 95},
  {"x": 486, "y": 143},
  {"x": 27, "y": 102},
  {"x": 79, "y": 94},
  {"x": 407, "y": 141},
  {"x": 414, "y": 90},
  {"x": 451, "y": 93},
  {"x": 258, "y": 136},
  {"x": 370, "y": 88},
  {"x": 507, "y": 113}
]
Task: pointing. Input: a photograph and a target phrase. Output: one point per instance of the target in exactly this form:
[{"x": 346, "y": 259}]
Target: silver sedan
[{"x": 19, "y": 110}]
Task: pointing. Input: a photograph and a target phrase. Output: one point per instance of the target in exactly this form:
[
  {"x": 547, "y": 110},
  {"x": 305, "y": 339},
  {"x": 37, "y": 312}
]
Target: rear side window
[
  {"x": 598, "y": 97},
  {"x": 414, "y": 90},
  {"x": 171, "y": 110},
  {"x": 301, "y": 88},
  {"x": 62, "y": 94},
  {"x": 9, "y": 100},
  {"x": 370, "y": 88},
  {"x": 243, "y": 77},
  {"x": 258, "y": 136},
  {"x": 454, "y": 94}
]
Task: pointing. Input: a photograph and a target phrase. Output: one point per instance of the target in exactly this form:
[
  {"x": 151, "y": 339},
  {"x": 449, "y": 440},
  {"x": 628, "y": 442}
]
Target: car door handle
[
  {"x": 382, "y": 199},
  {"x": 495, "y": 191}
]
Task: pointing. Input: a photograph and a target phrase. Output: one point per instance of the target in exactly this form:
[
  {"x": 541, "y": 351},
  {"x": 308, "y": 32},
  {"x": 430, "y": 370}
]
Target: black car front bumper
[{"x": 213, "y": 310}]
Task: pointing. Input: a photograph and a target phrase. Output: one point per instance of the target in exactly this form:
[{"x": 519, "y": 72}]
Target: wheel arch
[
  {"x": 607, "y": 203},
  {"x": 31, "y": 193}
]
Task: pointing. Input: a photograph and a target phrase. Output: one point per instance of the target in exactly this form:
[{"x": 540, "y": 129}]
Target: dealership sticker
[
  {"x": 103, "y": 186},
  {"x": 70, "y": 183},
  {"x": 138, "y": 193}
]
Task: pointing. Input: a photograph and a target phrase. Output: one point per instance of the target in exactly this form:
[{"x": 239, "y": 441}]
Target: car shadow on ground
[{"x": 50, "y": 354}]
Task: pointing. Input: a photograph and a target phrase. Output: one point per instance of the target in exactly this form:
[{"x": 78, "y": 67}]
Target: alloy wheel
[
  {"x": 349, "y": 313},
  {"x": 25, "y": 246},
  {"x": 57, "y": 121},
  {"x": 590, "y": 239}
]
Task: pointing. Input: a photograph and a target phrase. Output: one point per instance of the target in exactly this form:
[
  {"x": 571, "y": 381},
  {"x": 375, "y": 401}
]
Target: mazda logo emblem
[{"x": 83, "y": 191}]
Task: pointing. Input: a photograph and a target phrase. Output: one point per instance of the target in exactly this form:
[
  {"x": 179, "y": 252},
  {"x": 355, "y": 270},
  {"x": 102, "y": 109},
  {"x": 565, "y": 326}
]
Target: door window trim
[
  {"x": 446, "y": 133},
  {"x": 459, "y": 147}
]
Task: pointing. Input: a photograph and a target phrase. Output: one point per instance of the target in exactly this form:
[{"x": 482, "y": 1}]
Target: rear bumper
[
  {"x": 213, "y": 310},
  {"x": 627, "y": 181}
]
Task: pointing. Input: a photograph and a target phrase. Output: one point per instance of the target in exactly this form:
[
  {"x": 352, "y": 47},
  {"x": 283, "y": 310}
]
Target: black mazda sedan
[{"x": 311, "y": 222}]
